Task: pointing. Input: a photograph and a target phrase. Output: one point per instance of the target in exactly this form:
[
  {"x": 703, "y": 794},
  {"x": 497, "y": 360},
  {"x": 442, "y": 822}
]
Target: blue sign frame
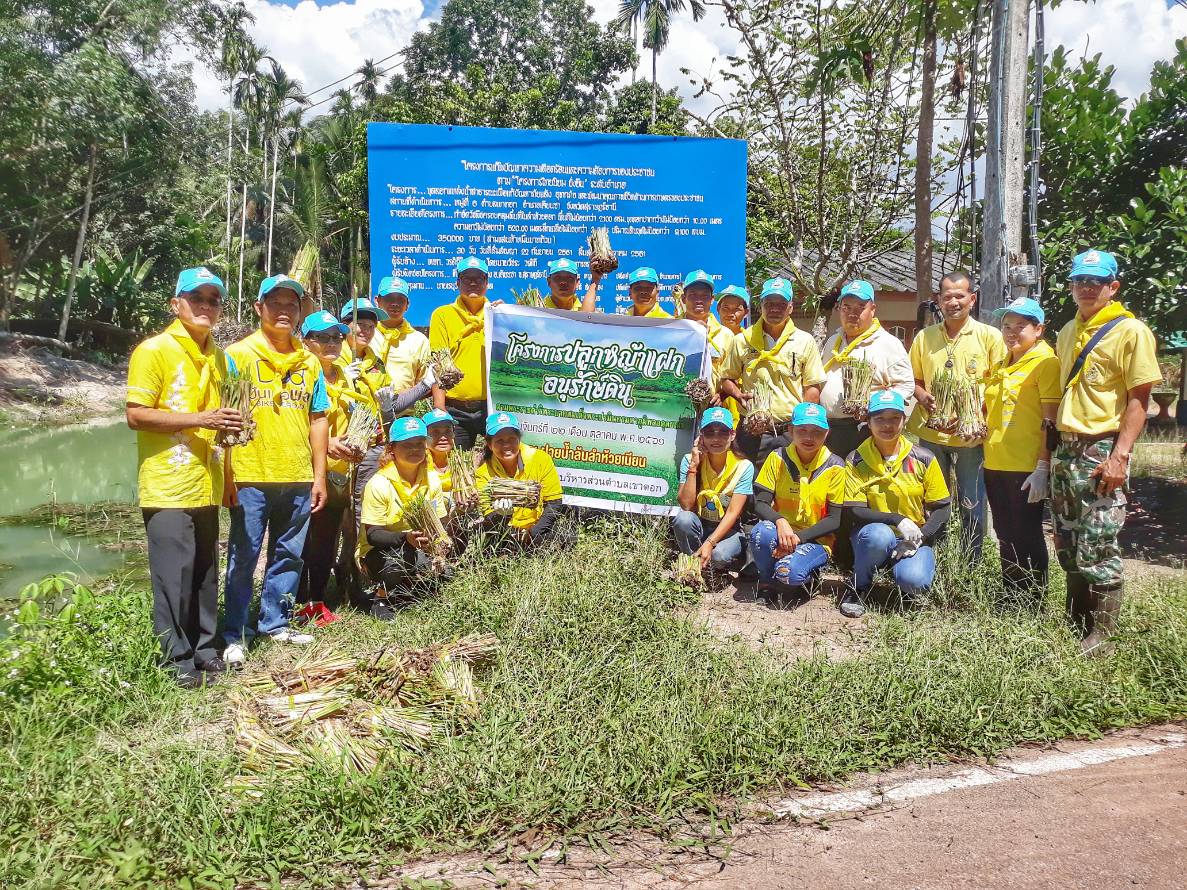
[{"x": 519, "y": 198}]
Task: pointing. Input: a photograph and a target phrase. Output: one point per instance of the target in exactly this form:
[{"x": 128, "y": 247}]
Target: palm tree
[
  {"x": 248, "y": 97},
  {"x": 655, "y": 17},
  {"x": 368, "y": 85},
  {"x": 280, "y": 94},
  {"x": 232, "y": 22}
]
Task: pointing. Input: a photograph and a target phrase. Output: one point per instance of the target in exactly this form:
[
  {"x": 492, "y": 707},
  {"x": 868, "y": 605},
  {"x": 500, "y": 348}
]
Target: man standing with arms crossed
[
  {"x": 1108, "y": 365},
  {"x": 962, "y": 345}
]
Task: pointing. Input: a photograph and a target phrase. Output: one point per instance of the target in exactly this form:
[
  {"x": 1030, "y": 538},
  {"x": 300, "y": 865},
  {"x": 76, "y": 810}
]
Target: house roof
[{"x": 893, "y": 270}]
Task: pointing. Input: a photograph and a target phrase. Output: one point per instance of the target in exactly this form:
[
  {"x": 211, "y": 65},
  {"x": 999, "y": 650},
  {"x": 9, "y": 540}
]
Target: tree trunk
[
  {"x": 242, "y": 230},
  {"x": 923, "y": 146},
  {"x": 654, "y": 84},
  {"x": 78, "y": 245},
  {"x": 230, "y": 141},
  {"x": 635, "y": 44},
  {"x": 272, "y": 204}
]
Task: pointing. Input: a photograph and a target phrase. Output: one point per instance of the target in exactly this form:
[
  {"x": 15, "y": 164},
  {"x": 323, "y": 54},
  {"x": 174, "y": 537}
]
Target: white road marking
[{"x": 816, "y": 806}]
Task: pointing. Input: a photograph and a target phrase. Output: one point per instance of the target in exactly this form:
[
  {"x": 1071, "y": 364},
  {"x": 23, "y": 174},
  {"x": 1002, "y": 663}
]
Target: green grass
[{"x": 605, "y": 708}]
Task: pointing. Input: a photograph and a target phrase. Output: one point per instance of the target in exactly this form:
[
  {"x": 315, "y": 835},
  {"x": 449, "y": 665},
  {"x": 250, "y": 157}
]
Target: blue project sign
[{"x": 519, "y": 198}]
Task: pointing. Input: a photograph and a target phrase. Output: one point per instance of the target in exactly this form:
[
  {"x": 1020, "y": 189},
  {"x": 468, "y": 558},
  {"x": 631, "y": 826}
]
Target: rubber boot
[
  {"x": 1106, "y": 606},
  {"x": 1079, "y": 604}
]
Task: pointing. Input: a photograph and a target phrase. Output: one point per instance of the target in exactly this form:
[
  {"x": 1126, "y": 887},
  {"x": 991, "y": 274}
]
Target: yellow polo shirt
[
  {"x": 344, "y": 395},
  {"x": 655, "y": 311},
  {"x": 535, "y": 465},
  {"x": 386, "y": 495},
  {"x": 289, "y": 388},
  {"x": 802, "y": 497},
  {"x": 1126, "y": 358},
  {"x": 403, "y": 352},
  {"x": 795, "y": 366},
  {"x": 976, "y": 349},
  {"x": 907, "y": 484},
  {"x": 169, "y": 372},
  {"x": 1014, "y": 397},
  {"x": 452, "y": 327},
  {"x": 550, "y": 303}
]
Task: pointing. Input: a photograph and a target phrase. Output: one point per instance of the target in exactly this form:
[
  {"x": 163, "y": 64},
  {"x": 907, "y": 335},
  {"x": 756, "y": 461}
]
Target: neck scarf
[
  {"x": 803, "y": 512},
  {"x": 1031, "y": 357},
  {"x": 405, "y": 491},
  {"x": 392, "y": 337},
  {"x": 891, "y": 466},
  {"x": 714, "y": 484},
  {"x": 282, "y": 363},
  {"x": 1086, "y": 329},
  {"x": 210, "y": 375},
  {"x": 474, "y": 321},
  {"x": 756, "y": 336},
  {"x": 840, "y": 357}
]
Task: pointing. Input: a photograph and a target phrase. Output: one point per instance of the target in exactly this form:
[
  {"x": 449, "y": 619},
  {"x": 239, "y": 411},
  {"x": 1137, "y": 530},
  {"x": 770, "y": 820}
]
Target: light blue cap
[
  {"x": 502, "y": 420},
  {"x": 717, "y": 415},
  {"x": 321, "y": 321},
  {"x": 471, "y": 262},
  {"x": 643, "y": 273},
  {"x": 886, "y": 399},
  {"x": 562, "y": 264},
  {"x": 778, "y": 286},
  {"x": 809, "y": 414},
  {"x": 364, "y": 307},
  {"x": 1023, "y": 306},
  {"x": 270, "y": 284},
  {"x": 392, "y": 284},
  {"x": 734, "y": 291},
  {"x": 437, "y": 415},
  {"x": 1100, "y": 263},
  {"x": 863, "y": 290},
  {"x": 698, "y": 276},
  {"x": 192, "y": 279},
  {"x": 406, "y": 428}
]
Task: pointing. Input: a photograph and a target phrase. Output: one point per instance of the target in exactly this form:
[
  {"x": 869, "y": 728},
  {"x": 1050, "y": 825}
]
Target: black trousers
[
  {"x": 321, "y": 545},
  {"x": 844, "y": 436},
  {"x": 399, "y": 569},
  {"x": 183, "y": 568},
  {"x": 471, "y": 421},
  {"x": 757, "y": 448},
  {"x": 1019, "y": 529}
]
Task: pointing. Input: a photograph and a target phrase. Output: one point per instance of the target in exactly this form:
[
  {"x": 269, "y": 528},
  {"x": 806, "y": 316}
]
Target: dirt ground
[
  {"x": 1114, "y": 815},
  {"x": 39, "y": 387}
]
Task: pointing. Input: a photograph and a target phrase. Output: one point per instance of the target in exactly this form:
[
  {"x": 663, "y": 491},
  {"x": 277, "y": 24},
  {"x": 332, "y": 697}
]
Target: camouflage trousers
[{"x": 1086, "y": 524}]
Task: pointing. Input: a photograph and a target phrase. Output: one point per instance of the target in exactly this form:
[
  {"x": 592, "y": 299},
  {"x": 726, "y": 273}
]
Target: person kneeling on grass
[
  {"x": 899, "y": 502},
  {"x": 714, "y": 485},
  {"x": 396, "y": 553},
  {"x": 798, "y": 497},
  {"x": 506, "y": 457}
]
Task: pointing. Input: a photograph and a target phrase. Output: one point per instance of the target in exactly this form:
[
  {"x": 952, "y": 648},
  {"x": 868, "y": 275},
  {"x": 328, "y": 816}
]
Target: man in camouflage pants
[{"x": 1108, "y": 366}]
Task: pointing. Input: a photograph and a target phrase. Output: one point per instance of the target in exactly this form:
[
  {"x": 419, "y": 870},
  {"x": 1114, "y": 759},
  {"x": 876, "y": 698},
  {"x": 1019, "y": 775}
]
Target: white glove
[
  {"x": 910, "y": 533},
  {"x": 904, "y": 549},
  {"x": 1036, "y": 483},
  {"x": 502, "y": 507},
  {"x": 429, "y": 378}
]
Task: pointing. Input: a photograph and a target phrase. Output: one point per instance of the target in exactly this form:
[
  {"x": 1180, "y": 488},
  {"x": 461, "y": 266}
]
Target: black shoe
[
  {"x": 215, "y": 666},
  {"x": 189, "y": 680},
  {"x": 851, "y": 605},
  {"x": 380, "y": 610}
]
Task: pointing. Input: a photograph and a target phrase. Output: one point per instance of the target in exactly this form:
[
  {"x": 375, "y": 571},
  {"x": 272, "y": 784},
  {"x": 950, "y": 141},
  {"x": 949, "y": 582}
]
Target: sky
[{"x": 319, "y": 43}]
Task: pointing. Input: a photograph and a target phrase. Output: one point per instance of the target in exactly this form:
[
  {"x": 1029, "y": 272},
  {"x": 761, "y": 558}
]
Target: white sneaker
[
  {"x": 292, "y": 636},
  {"x": 235, "y": 656}
]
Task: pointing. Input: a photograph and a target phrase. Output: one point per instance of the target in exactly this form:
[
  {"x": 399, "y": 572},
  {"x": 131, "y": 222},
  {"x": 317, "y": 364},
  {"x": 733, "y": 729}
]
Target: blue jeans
[
  {"x": 873, "y": 547},
  {"x": 967, "y": 465},
  {"x": 796, "y": 569},
  {"x": 691, "y": 531},
  {"x": 281, "y": 510}
]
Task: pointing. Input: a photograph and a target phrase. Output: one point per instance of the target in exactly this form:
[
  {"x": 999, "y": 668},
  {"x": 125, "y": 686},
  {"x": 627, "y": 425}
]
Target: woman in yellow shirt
[
  {"x": 715, "y": 484},
  {"x": 396, "y": 555},
  {"x": 899, "y": 502},
  {"x": 798, "y": 497},
  {"x": 1021, "y": 397},
  {"x": 507, "y": 457}
]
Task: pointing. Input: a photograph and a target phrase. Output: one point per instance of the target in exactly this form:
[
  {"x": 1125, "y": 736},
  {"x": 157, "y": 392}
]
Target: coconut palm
[
  {"x": 655, "y": 19},
  {"x": 369, "y": 77},
  {"x": 248, "y": 96},
  {"x": 232, "y": 23},
  {"x": 281, "y": 97}
]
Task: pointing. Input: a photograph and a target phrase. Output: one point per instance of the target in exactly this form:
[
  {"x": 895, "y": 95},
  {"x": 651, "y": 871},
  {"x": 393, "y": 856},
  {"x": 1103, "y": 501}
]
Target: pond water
[{"x": 67, "y": 465}]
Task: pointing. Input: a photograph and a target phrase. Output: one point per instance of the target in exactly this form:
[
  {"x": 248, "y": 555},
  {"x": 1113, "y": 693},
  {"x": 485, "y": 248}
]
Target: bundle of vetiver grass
[
  {"x": 362, "y": 428},
  {"x": 678, "y": 307},
  {"x": 601, "y": 257},
  {"x": 857, "y": 378},
  {"x": 699, "y": 392},
  {"x": 521, "y": 492},
  {"x": 759, "y": 419},
  {"x": 354, "y": 713},
  {"x": 421, "y": 513},
  {"x": 687, "y": 570},
  {"x": 447, "y": 373},
  {"x": 461, "y": 475},
  {"x": 529, "y": 297},
  {"x": 970, "y": 411},
  {"x": 945, "y": 386},
  {"x": 237, "y": 394}
]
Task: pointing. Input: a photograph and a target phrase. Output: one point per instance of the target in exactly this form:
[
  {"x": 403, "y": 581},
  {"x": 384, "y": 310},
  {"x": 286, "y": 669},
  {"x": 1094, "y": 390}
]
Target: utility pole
[{"x": 1005, "y": 155}]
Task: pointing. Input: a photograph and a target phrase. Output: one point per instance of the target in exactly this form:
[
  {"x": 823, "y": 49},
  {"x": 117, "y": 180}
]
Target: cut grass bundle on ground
[{"x": 448, "y": 374}]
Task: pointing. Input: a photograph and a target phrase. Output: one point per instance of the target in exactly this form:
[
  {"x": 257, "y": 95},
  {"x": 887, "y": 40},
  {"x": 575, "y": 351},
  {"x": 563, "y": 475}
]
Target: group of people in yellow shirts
[{"x": 830, "y": 485}]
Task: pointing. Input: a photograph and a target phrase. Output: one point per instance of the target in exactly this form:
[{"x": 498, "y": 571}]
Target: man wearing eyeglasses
[{"x": 1108, "y": 365}]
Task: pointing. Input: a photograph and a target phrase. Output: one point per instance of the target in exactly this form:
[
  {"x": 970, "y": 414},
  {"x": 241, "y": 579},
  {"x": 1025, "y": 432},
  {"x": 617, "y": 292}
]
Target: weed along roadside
[{"x": 604, "y": 707}]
